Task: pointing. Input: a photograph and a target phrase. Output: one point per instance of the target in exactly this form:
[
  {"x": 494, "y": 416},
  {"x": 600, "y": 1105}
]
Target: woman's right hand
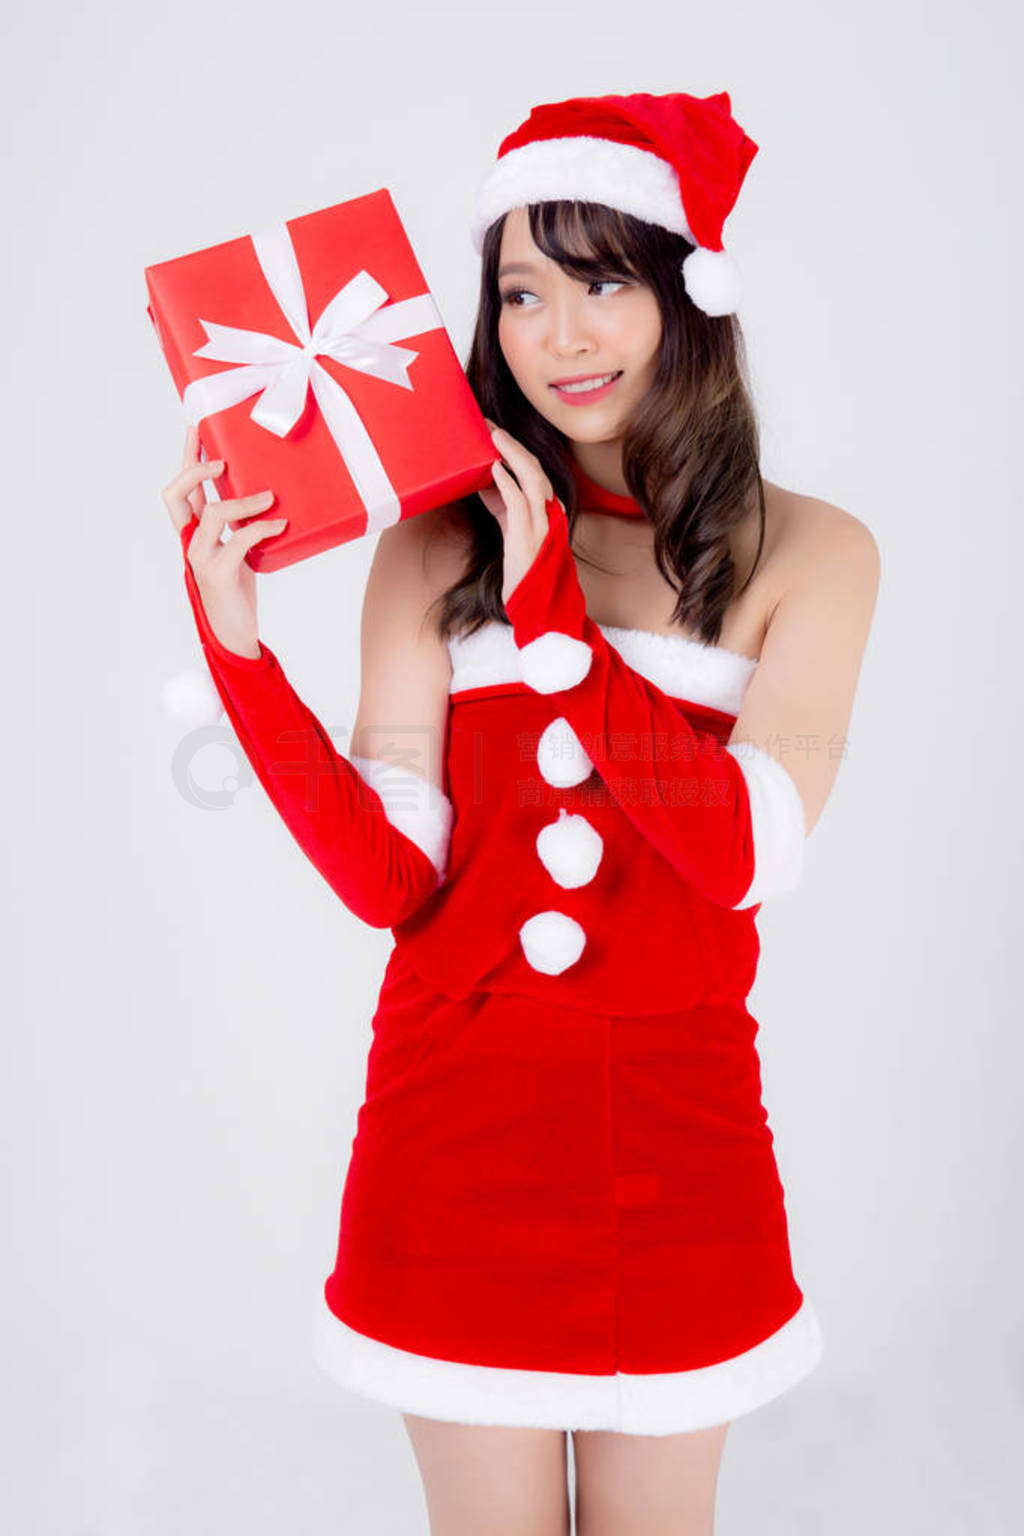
[{"x": 225, "y": 579}]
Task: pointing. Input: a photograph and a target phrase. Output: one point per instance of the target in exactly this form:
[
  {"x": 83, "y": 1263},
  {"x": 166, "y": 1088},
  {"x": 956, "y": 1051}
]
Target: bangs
[{"x": 587, "y": 239}]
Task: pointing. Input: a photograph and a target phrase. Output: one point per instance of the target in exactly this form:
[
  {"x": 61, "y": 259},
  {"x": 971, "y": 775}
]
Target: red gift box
[{"x": 292, "y": 349}]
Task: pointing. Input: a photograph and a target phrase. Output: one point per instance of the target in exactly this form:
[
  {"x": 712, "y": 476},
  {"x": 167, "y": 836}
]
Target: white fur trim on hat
[
  {"x": 552, "y": 941},
  {"x": 582, "y": 169},
  {"x": 778, "y": 821},
  {"x": 554, "y": 661},
  {"x": 560, "y": 755},
  {"x": 570, "y": 849},
  {"x": 412, "y": 805}
]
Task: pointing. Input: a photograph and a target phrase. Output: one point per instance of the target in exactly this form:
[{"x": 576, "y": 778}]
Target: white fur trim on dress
[
  {"x": 660, "y": 1403},
  {"x": 552, "y": 941},
  {"x": 560, "y": 755},
  {"x": 778, "y": 821},
  {"x": 582, "y": 169},
  {"x": 570, "y": 849},
  {"x": 680, "y": 666},
  {"x": 412, "y": 805},
  {"x": 554, "y": 661}
]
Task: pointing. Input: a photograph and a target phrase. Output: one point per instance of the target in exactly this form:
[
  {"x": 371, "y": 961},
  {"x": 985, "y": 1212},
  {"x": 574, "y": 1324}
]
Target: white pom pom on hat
[
  {"x": 712, "y": 280},
  {"x": 674, "y": 160}
]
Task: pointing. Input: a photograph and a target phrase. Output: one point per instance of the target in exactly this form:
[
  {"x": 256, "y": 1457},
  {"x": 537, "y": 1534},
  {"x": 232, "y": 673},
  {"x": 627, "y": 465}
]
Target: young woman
[{"x": 603, "y": 704}]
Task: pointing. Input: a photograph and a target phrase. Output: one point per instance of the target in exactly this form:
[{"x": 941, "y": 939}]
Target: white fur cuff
[
  {"x": 777, "y": 817},
  {"x": 412, "y": 805},
  {"x": 554, "y": 661}
]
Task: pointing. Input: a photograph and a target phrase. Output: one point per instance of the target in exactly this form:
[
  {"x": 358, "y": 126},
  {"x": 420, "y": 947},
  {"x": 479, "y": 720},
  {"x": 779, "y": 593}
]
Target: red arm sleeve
[
  {"x": 378, "y": 834},
  {"x": 728, "y": 818}
]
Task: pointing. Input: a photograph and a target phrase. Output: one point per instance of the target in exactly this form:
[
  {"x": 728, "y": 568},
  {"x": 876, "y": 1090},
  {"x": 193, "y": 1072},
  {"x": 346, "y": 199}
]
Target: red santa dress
[{"x": 562, "y": 1207}]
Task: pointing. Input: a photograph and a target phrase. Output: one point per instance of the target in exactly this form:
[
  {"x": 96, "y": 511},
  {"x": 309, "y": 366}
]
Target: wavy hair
[{"x": 690, "y": 454}]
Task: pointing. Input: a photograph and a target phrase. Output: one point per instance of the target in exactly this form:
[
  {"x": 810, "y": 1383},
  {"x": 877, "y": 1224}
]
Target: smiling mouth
[{"x": 589, "y": 386}]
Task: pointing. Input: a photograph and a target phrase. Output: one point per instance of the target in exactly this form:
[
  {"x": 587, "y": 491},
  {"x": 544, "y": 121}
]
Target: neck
[
  {"x": 593, "y": 496},
  {"x": 602, "y": 463}
]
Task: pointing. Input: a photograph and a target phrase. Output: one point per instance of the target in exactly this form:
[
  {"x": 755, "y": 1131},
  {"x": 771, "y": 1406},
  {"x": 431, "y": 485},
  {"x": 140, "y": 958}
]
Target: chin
[{"x": 592, "y": 431}]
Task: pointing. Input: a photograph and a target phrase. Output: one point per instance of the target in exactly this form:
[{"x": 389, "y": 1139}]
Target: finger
[
  {"x": 191, "y": 451},
  {"x": 243, "y": 539},
  {"x": 217, "y": 515},
  {"x": 494, "y": 504},
  {"x": 528, "y": 469},
  {"x": 177, "y": 492},
  {"x": 513, "y": 495},
  {"x": 196, "y": 498}
]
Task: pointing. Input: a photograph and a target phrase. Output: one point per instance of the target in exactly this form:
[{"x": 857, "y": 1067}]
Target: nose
[{"x": 569, "y": 334}]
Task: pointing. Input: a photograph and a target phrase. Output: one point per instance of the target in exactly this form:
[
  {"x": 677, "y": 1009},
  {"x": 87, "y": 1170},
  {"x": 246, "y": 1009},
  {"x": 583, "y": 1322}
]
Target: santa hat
[{"x": 675, "y": 160}]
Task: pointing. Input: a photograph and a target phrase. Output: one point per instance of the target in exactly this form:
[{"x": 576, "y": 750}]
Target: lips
[
  {"x": 580, "y": 396},
  {"x": 583, "y": 378}
]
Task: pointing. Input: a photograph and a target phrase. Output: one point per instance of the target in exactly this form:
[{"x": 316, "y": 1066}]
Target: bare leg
[
  {"x": 647, "y": 1485},
  {"x": 482, "y": 1477}
]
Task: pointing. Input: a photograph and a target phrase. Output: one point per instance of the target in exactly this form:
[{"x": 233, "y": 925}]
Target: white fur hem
[
  {"x": 413, "y": 805},
  {"x": 779, "y": 825},
  {"x": 663, "y": 1403},
  {"x": 583, "y": 169}
]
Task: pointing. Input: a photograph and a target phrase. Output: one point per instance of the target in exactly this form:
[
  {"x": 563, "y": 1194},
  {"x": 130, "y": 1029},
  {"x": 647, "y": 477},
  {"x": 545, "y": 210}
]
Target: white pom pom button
[
  {"x": 570, "y": 849},
  {"x": 560, "y": 755},
  {"x": 552, "y": 941},
  {"x": 554, "y": 661}
]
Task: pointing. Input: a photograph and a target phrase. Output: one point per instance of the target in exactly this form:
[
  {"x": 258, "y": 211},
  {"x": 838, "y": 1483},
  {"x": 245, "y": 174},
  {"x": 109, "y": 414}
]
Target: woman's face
[{"x": 554, "y": 326}]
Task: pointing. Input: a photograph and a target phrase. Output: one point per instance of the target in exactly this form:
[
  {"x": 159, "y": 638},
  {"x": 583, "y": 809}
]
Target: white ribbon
[{"x": 354, "y": 329}]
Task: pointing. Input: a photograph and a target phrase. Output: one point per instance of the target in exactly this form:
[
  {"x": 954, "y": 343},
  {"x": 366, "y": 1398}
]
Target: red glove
[
  {"x": 377, "y": 833},
  {"x": 728, "y": 817}
]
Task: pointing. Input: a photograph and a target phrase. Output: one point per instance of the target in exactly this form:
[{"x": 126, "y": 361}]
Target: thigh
[
  {"x": 482, "y": 1477},
  {"x": 647, "y": 1485}
]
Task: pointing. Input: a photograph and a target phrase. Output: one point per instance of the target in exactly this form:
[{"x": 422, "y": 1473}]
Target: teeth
[{"x": 578, "y": 389}]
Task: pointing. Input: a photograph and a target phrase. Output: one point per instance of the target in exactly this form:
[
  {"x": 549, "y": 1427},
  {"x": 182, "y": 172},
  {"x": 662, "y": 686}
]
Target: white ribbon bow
[{"x": 353, "y": 328}]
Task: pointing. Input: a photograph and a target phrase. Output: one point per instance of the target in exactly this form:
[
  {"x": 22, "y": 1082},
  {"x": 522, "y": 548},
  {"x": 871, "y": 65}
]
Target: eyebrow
[{"x": 517, "y": 266}]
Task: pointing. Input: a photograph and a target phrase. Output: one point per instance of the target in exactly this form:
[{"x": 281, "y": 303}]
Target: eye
[{"x": 511, "y": 294}]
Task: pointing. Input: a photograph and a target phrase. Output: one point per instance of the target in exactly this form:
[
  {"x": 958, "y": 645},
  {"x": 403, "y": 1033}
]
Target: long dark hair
[{"x": 691, "y": 453}]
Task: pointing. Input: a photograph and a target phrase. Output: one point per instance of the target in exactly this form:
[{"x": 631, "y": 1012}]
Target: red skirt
[{"x": 560, "y": 1218}]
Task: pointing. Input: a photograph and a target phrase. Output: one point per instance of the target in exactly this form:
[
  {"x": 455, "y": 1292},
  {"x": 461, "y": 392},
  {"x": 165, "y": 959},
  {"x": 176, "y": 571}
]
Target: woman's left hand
[{"x": 520, "y": 509}]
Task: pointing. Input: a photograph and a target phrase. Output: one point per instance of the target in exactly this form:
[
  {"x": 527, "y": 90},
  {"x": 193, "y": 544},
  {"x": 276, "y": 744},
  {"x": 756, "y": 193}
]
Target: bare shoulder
[
  {"x": 405, "y": 664},
  {"x": 430, "y": 548},
  {"x": 416, "y": 559},
  {"x": 816, "y": 543}
]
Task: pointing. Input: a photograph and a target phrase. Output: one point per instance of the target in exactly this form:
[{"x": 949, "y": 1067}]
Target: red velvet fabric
[
  {"x": 697, "y": 135},
  {"x": 544, "y": 1187},
  {"x": 337, "y": 819},
  {"x": 687, "y": 796},
  {"x": 594, "y": 497},
  {"x": 567, "y": 1172}
]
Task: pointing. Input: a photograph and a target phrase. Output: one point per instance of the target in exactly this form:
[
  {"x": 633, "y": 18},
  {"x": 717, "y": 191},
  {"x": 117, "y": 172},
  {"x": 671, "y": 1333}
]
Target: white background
[{"x": 188, "y": 1011}]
